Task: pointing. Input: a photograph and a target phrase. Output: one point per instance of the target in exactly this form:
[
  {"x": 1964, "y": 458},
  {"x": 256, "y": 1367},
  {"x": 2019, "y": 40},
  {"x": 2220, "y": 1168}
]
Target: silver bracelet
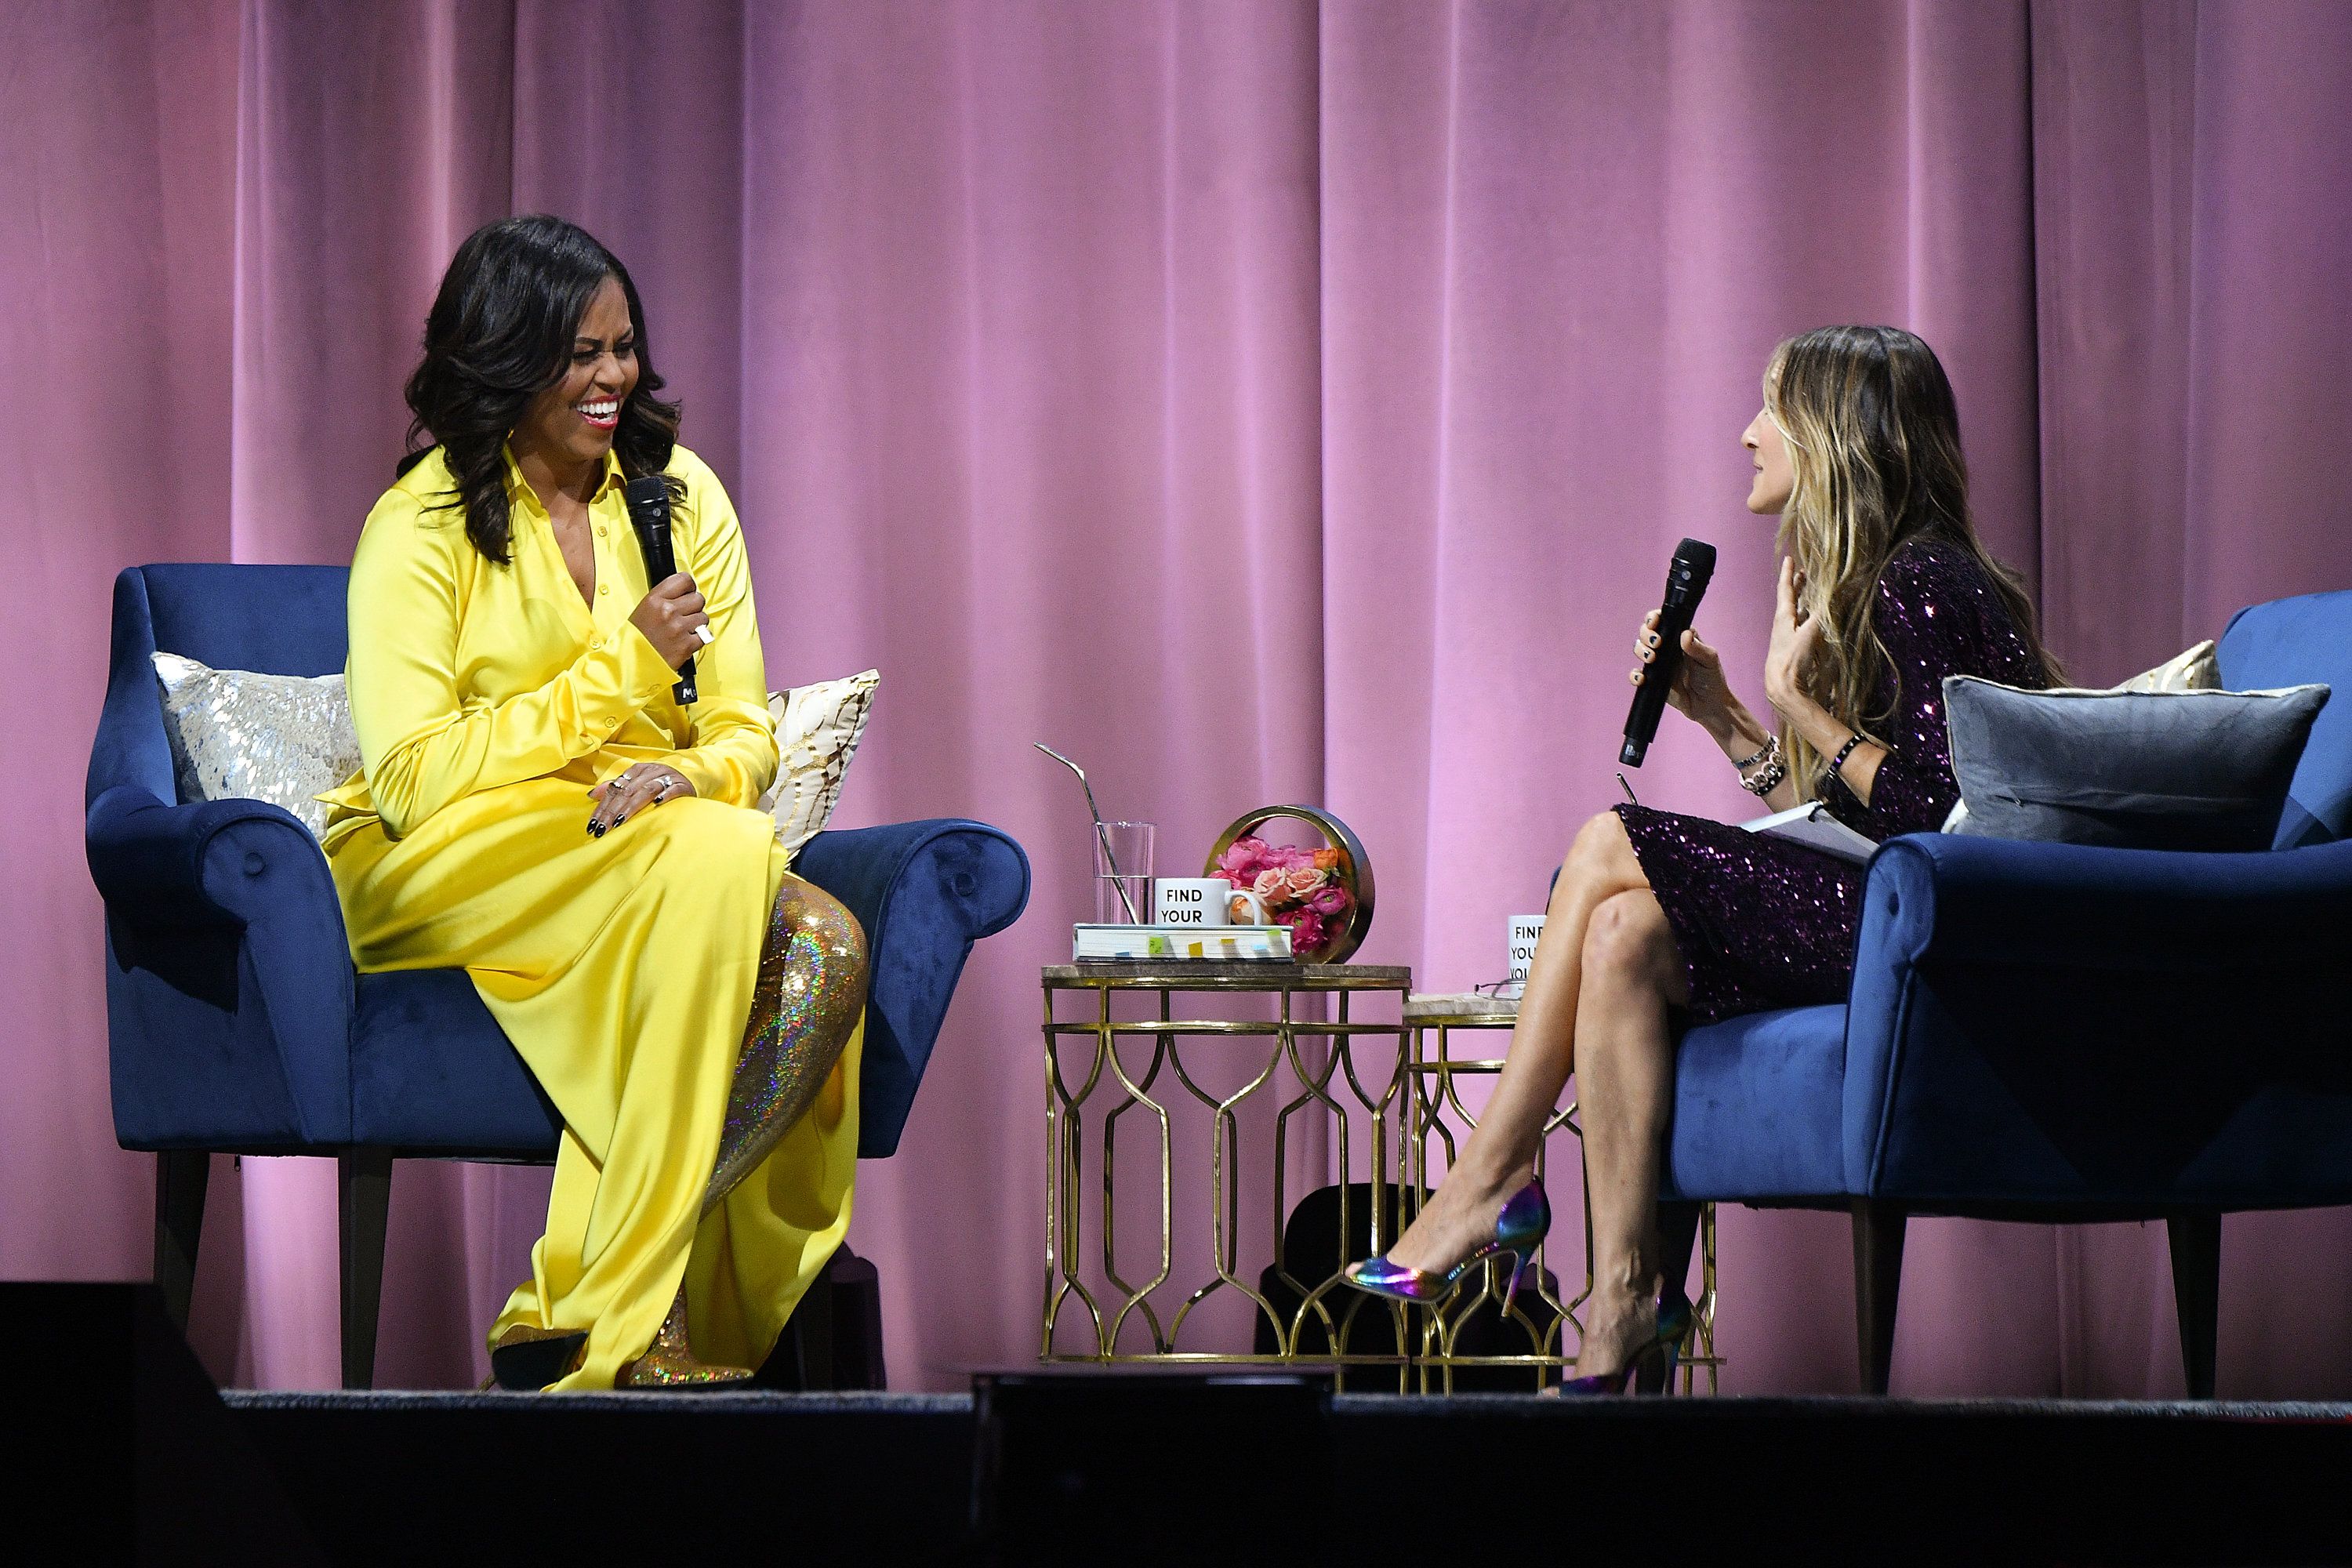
[
  {"x": 1766, "y": 750},
  {"x": 1765, "y": 781},
  {"x": 1768, "y": 777}
]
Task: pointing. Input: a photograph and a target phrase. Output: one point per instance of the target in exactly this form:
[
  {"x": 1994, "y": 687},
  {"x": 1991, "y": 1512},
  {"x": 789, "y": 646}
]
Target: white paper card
[
  {"x": 1811, "y": 826},
  {"x": 1195, "y": 902},
  {"x": 1526, "y": 930}
]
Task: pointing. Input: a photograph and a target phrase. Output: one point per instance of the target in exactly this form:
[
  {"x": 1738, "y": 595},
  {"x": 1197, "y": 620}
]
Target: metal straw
[{"x": 1102, "y": 834}]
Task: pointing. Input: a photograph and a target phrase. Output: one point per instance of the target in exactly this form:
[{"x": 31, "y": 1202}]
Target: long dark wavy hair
[
  {"x": 501, "y": 332},
  {"x": 1874, "y": 435}
]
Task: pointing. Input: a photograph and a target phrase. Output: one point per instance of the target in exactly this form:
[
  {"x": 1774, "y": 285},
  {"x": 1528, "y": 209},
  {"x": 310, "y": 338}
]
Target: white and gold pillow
[
  {"x": 2197, "y": 668},
  {"x": 817, "y": 730},
  {"x": 238, "y": 735}
]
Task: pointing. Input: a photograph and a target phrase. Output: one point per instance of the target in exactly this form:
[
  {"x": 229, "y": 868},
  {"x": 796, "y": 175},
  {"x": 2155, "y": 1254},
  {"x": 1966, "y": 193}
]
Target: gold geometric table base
[
  {"x": 1330, "y": 1086},
  {"x": 1343, "y": 1074}
]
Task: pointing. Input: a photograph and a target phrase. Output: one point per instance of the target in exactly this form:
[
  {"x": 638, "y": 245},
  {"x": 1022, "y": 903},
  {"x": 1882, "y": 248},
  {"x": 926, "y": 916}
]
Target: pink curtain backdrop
[{"x": 1260, "y": 400}]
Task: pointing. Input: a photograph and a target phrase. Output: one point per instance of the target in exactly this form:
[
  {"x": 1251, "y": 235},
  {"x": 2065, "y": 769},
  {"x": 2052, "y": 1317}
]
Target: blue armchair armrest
[
  {"x": 2111, "y": 1030},
  {"x": 924, "y": 891},
  {"x": 231, "y": 992},
  {"x": 229, "y": 978}
]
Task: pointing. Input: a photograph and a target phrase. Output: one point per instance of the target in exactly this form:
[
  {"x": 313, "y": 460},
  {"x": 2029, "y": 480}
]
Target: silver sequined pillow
[{"x": 238, "y": 735}]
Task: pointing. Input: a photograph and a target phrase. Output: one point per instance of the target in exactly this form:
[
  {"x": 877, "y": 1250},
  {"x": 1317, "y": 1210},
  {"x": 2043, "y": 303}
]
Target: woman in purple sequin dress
[{"x": 1659, "y": 920}]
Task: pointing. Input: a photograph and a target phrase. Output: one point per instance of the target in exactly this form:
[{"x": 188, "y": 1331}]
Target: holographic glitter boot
[
  {"x": 669, "y": 1361},
  {"x": 805, "y": 1007},
  {"x": 810, "y": 994}
]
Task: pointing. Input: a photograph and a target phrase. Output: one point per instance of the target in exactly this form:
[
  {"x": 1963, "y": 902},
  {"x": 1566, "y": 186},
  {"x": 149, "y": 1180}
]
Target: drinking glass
[{"x": 1123, "y": 873}]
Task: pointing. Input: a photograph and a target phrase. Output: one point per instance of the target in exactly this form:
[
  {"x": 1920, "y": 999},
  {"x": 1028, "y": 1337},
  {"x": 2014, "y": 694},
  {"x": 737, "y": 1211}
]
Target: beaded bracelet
[{"x": 1768, "y": 778}]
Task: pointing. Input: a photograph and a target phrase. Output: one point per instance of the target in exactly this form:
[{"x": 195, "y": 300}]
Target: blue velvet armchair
[
  {"x": 236, "y": 1023},
  {"x": 2060, "y": 1033}
]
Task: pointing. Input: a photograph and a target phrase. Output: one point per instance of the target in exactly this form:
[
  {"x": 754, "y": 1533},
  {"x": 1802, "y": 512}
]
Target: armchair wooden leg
[
  {"x": 181, "y": 1175},
  {"x": 364, "y": 1204},
  {"x": 1877, "y": 1281},
  {"x": 857, "y": 1323},
  {"x": 2197, "y": 1294},
  {"x": 1677, "y": 1237},
  {"x": 814, "y": 1321},
  {"x": 833, "y": 1339}
]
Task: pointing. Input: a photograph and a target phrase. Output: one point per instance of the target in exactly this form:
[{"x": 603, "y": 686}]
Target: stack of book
[{"x": 1225, "y": 944}]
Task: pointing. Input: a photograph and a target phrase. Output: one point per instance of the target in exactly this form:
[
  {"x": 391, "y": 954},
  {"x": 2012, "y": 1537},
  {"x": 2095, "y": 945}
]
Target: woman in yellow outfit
[{"x": 537, "y": 808}]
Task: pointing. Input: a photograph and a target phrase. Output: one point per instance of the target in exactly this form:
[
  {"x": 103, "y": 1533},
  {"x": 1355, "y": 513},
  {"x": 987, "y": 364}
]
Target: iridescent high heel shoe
[
  {"x": 1651, "y": 1370},
  {"x": 1518, "y": 1229}
]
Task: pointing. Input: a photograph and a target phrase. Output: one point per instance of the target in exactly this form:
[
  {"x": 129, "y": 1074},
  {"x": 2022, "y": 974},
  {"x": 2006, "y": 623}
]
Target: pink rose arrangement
[{"x": 1300, "y": 887}]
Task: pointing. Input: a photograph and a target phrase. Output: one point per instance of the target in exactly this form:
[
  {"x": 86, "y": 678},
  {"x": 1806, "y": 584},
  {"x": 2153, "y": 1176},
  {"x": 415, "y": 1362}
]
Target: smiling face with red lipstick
[
  {"x": 568, "y": 425},
  {"x": 535, "y": 348}
]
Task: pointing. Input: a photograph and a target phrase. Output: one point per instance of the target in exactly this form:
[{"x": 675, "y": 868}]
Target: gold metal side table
[
  {"x": 1436, "y": 1112},
  {"x": 1345, "y": 1074}
]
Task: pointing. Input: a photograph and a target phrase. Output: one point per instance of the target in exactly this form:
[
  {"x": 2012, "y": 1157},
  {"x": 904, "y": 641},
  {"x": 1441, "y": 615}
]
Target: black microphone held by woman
[
  {"x": 1686, "y": 580},
  {"x": 650, "y": 515}
]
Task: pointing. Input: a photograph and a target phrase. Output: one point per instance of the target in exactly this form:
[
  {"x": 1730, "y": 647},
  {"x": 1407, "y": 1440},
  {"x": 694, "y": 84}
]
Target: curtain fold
[
  {"x": 116, "y": 270},
  {"x": 1258, "y": 401}
]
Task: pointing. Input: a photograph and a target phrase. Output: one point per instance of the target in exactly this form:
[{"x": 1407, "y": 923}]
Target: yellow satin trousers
[{"x": 622, "y": 968}]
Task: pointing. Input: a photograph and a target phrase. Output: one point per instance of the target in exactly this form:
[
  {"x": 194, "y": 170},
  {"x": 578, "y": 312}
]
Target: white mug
[
  {"x": 1206, "y": 901},
  {"x": 1526, "y": 931}
]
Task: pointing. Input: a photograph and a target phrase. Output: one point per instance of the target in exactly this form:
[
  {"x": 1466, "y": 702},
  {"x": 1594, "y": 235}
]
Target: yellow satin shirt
[{"x": 477, "y": 675}]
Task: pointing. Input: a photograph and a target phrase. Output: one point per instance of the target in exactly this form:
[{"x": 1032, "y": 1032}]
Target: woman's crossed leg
[{"x": 1604, "y": 973}]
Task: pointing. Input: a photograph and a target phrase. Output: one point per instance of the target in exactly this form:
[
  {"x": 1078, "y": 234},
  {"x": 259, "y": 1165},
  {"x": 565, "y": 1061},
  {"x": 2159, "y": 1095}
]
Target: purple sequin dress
[{"x": 1763, "y": 923}]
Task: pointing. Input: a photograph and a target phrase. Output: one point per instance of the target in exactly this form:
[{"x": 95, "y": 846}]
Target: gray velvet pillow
[{"x": 2178, "y": 770}]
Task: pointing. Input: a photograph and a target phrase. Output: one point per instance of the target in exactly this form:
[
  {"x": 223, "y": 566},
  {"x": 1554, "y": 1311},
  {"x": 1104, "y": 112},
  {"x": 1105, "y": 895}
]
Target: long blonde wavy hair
[{"x": 1873, "y": 441}]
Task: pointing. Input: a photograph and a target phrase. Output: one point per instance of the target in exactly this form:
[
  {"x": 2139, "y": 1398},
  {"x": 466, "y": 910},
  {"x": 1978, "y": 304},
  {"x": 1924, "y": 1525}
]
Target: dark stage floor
[
  {"x": 1079, "y": 1469},
  {"x": 120, "y": 1441}
]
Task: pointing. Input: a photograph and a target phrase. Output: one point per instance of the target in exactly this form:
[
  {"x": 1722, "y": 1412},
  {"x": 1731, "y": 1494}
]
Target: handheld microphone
[
  {"x": 1686, "y": 579},
  {"x": 650, "y": 515}
]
